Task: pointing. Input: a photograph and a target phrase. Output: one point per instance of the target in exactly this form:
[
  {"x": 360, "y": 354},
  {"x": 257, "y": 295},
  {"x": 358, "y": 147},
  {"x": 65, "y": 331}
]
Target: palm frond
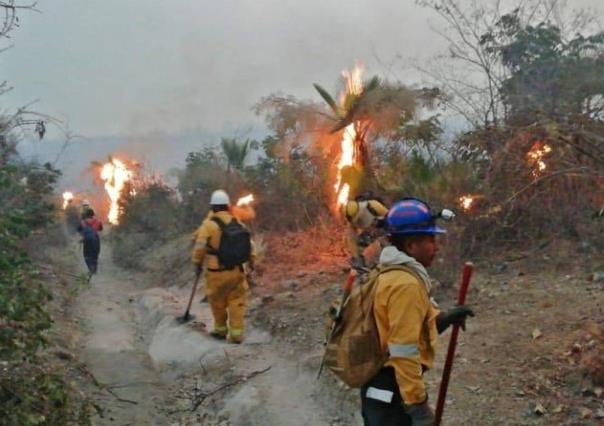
[
  {"x": 373, "y": 84},
  {"x": 327, "y": 98}
]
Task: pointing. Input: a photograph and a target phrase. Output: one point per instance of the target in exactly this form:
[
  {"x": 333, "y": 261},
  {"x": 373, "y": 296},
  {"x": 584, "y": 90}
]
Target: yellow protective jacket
[
  {"x": 208, "y": 236},
  {"x": 406, "y": 322}
]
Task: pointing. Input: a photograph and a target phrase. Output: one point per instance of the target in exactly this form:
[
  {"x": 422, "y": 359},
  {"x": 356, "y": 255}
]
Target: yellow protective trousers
[{"x": 227, "y": 295}]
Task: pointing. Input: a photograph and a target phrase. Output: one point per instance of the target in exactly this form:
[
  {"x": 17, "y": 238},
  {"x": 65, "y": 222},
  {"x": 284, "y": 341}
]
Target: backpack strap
[
  {"x": 218, "y": 222},
  {"x": 221, "y": 225},
  {"x": 211, "y": 250}
]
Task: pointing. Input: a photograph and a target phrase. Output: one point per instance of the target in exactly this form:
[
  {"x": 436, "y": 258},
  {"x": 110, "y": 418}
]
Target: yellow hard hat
[{"x": 351, "y": 210}]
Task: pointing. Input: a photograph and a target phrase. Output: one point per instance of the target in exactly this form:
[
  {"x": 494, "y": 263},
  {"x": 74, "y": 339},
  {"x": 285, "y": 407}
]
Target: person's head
[
  {"x": 219, "y": 201},
  {"x": 85, "y": 203},
  {"x": 412, "y": 228},
  {"x": 421, "y": 247},
  {"x": 89, "y": 213}
]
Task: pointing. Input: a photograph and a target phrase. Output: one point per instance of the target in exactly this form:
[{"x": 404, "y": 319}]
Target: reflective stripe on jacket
[{"x": 406, "y": 321}]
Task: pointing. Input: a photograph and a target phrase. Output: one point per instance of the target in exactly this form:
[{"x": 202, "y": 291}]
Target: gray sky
[
  {"x": 114, "y": 66},
  {"x": 130, "y": 67}
]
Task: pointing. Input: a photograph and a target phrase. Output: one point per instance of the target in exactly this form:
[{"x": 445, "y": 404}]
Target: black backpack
[{"x": 235, "y": 244}]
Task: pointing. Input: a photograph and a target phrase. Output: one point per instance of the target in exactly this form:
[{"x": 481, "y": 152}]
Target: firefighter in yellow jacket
[
  {"x": 365, "y": 216},
  {"x": 224, "y": 260},
  {"x": 407, "y": 319}
]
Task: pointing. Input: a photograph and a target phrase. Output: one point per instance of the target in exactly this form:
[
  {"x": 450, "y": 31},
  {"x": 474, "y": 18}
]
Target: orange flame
[
  {"x": 466, "y": 201},
  {"x": 245, "y": 200},
  {"x": 243, "y": 209},
  {"x": 67, "y": 198},
  {"x": 115, "y": 174},
  {"x": 535, "y": 157},
  {"x": 354, "y": 86}
]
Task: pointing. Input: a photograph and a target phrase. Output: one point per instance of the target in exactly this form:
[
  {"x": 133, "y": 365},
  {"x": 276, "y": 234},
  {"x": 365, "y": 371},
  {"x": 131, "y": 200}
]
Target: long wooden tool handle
[
  {"x": 193, "y": 291},
  {"x": 444, "y": 384}
]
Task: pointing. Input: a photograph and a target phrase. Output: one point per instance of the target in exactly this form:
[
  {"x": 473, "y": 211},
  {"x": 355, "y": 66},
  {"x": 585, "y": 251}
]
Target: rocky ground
[{"x": 532, "y": 356}]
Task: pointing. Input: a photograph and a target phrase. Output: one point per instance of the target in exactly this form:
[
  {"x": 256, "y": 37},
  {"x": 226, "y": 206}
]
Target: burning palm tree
[{"x": 375, "y": 107}]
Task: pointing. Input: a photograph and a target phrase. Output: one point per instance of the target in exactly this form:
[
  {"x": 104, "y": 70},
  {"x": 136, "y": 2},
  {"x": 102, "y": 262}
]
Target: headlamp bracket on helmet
[{"x": 445, "y": 214}]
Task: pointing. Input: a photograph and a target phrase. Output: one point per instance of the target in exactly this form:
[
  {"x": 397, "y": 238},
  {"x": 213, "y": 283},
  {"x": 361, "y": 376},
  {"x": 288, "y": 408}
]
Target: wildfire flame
[
  {"x": 535, "y": 157},
  {"x": 466, "y": 201},
  {"x": 354, "y": 86},
  {"x": 67, "y": 198},
  {"x": 243, "y": 209},
  {"x": 115, "y": 174},
  {"x": 245, "y": 200}
]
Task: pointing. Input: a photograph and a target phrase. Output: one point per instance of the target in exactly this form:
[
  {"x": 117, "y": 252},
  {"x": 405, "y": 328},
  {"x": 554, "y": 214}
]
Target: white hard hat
[
  {"x": 220, "y": 198},
  {"x": 85, "y": 203}
]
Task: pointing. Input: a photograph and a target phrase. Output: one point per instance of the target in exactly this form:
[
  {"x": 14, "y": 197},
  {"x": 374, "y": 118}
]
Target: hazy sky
[
  {"x": 124, "y": 66},
  {"x": 113, "y": 66}
]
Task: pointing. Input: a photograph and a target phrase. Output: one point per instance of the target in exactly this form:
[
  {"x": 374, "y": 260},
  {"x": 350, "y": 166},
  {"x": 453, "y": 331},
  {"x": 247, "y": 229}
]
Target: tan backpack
[{"x": 353, "y": 351}]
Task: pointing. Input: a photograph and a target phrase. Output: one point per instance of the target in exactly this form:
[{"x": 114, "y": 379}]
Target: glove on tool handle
[{"x": 444, "y": 384}]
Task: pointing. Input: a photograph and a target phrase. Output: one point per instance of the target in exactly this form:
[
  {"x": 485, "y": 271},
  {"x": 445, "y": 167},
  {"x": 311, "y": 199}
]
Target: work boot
[
  {"x": 235, "y": 336},
  {"x": 236, "y": 340},
  {"x": 217, "y": 335}
]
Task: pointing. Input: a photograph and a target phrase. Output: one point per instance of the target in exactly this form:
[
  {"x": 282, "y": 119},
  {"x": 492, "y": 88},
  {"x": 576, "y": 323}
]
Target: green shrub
[{"x": 31, "y": 393}]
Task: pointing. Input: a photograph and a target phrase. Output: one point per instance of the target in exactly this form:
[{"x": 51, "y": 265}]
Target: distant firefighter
[{"x": 89, "y": 228}]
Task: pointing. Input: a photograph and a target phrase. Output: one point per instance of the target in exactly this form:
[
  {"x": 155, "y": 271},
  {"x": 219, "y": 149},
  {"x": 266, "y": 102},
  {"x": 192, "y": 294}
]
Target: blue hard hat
[{"x": 412, "y": 216}]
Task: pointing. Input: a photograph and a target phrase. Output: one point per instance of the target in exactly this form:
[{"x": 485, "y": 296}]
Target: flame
[
  {"x": 243, "y": 209},
  {"x": 115, "y": 174},
  {"x": 245, "y": 200},
  {"x": 67, "y": 198},
  {"x": 535, "y": 157},
  {"x": 354, "y": 86},
  {"x": 466, "y": 201},
  {"x": 346, "y": 159}
]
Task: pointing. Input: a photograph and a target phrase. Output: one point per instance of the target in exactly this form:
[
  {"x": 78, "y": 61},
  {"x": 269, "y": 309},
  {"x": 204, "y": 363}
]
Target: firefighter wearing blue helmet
[{"x": 407, "y": 319}]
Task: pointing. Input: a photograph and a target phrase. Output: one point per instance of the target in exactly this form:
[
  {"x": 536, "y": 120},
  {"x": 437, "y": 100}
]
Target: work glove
[
  {"x": 421, "y": 414},
  {"x": 198, "y": 270},
  {"x": 456, "y": 316}
]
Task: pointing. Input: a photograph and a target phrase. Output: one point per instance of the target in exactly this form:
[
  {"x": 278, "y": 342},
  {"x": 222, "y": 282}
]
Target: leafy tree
[{"x": 548, "y": 75}]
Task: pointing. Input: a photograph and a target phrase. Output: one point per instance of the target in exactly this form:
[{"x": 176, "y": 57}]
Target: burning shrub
[{"x": 534, "y": 183}]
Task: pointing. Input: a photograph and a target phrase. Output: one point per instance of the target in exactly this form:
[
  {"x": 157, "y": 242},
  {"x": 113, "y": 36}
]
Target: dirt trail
[{"x": 131, "y": 343}]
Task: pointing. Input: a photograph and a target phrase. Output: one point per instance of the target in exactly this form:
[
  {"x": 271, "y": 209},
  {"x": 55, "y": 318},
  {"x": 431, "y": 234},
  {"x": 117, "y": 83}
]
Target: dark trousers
[
  {"x": 377, "y": 412},
  {"x": 92, "y": 249},
  {"x": 92, "y": 264}
]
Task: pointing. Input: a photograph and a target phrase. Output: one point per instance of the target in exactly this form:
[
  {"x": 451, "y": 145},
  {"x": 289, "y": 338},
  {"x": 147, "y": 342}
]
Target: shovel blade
[{"x": 185, "y": 318}]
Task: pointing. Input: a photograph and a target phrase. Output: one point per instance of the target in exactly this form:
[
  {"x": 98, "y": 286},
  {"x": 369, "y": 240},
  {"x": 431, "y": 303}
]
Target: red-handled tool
[{"x": 444, "y": 384}]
